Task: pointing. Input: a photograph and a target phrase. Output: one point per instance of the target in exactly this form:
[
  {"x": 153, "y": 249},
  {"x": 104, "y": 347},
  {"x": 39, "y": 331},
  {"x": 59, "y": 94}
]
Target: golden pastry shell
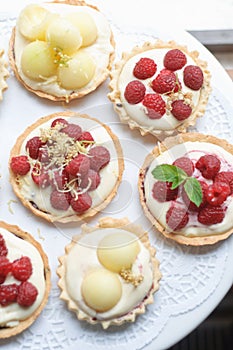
[
  {"x": 6, "y": 332},
  {"x": 160, "y": 148},
  {"x": 123, "y": 224}
]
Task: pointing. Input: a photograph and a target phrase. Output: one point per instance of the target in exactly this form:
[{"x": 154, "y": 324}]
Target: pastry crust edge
[
  {"x": 6, "y": 332},
  {"x": 161, "y": 147},
  {"x": 4, "y": 74},
  {"x": 124, "y": 224}
]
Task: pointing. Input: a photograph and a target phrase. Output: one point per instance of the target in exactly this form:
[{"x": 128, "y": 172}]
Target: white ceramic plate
[{"x": 194, "y": 279}]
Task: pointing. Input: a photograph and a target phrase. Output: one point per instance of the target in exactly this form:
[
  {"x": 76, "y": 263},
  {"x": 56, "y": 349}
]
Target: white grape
[
  {"x": 63, "y": 35},
  {"x": 37, "y": 60},
  {"x": 86, "y": 25},
  {"x": 101, "y": 289},
  {"x": 78, "y": 71},
  {"x": 33, "y": 22},
  {"x": 118, "y": 251}
]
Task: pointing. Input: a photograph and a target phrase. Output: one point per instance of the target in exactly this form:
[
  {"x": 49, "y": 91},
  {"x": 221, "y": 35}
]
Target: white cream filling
[
  {"x": 195, "y": 150},
  {"x": 11, "y": 315},
  {"x": 83, "y": 257},
  {"x": 137, "y": 111},
  {"x": 109, "y": 174},
  {"x": 99, "y": 51}
]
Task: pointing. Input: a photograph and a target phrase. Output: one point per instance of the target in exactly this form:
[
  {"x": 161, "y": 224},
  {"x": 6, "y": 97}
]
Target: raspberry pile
[
  {"x": 24, "y": 293},
  {"x": 65, "y": 158},
  {"x": 164, "y": 83},
  {"x": 216, "y": 187}
]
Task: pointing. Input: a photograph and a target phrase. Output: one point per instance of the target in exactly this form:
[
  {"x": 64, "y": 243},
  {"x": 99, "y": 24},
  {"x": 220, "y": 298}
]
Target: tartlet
[
  {"x": 160, "y": 88},
  {"x": 66, "y": 167},
  {"x": 116, "y": 279},
  {"x": 75, "y": 41},
  {"x": 17, "y": 313},
  {"x": 186, "y": 188},
  {"x": 4, "y": 74}
]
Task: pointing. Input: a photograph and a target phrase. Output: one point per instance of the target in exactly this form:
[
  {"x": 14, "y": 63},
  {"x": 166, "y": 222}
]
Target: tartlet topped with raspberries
[
  {"x": 24, "y": 280},
  {"x": 4, "y": 74},
  {"x": 186, "y": 188},
  {"x": 160, "y": 88},
  {"x": 61, "y": 50},
  {"x": 109, "y": 273},
  {"x": 66, "y": 167}
]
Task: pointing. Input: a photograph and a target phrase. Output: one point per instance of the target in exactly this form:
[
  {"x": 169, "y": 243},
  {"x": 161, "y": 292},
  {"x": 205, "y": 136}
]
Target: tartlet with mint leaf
[{"x": 186, "y": 188}]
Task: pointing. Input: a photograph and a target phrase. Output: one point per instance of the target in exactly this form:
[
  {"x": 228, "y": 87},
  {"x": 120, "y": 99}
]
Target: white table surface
[{"x": 183, "y": 14}]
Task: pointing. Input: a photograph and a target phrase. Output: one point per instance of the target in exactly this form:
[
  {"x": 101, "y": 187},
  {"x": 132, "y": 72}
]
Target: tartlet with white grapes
[
  {"x": 66, "y": 166},
  {"x": 109, "y": 273},
  {"x": 24, "y": 280},
  {"x": 160, "y": 88},
  {"x": 61, "y": 50},
  {"x": 4, "y": 74},
  {"x": 186, "y": 188}
]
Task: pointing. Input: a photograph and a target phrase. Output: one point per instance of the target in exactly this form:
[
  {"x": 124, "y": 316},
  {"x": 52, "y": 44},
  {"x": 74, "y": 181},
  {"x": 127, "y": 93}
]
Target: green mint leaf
[
  {"x": 170, "y": 173},
  {"x": 193, "y": 189},
  {"x": 177, "y": 182}
]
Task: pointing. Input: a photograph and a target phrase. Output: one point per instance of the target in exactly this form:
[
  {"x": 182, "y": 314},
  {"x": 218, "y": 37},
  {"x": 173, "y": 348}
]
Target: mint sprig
[{"x": 177, "y": 176}]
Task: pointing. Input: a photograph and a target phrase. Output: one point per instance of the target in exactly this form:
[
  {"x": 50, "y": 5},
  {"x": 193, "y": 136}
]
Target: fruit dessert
[
  {"x": 186, "y": 188},
  {"x": 66, "y": 167},
  {"x": 4, "y": 74},
  {"x": 160, "y": 88},
  {"x": 61, "y": 50},
  {"x": 24, "y": 280},
  {"x": 109, "y": 273}
]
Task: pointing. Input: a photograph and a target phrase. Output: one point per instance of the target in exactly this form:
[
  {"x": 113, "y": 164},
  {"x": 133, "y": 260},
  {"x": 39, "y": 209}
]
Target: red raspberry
[
  {"x": 2, "y": 279},
  {"x": 86, "y": 136},
  {"x": 185, "y": 164},
  {"x": 177, "y": 217},
  {"x": 174, "y": 60},
  {"x": 33, "y": 145},
  {"x": 180, "y": 110},
  {"x": 164, "y": 82},
  {"x": 211, "y": 215},
  {"x": 208, "y": 165},
  {"x": 193, "y": 77},
  {"x": 134, "y": 92},
  {"x": 225, "y": 176},
  {"x": 8, "y": 294},
  {"x": 217, "y": 193},
  {"x": 27, "y": 294},
  {"x": 5, "y": 266},
  {"x": 192, "y": 206},
  {"x": 3, "y": 247},
  {"x": 145, "y": 68},
  {"x": 43, "y": 155},
  {"x": 72, "y": 130},
  {"x": 78, "y": 165},
  {"x": 60, "y": 121},
  {"x": 60, "y": 200},
  {"x": 92, "y": 176},
  {"x": 162, "y": 191},
  {"x": 178, "y": 85},
  {"x": 59, "y": 179},
  {"x": 99, "y": 157},
  {"x": 22, "y": 268},
  {"x": 20, "y": 165},
  {"x": 40, "y": 176},
  {"x": 82, "y": 203},
  {"x": 155, "y": 106}
]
